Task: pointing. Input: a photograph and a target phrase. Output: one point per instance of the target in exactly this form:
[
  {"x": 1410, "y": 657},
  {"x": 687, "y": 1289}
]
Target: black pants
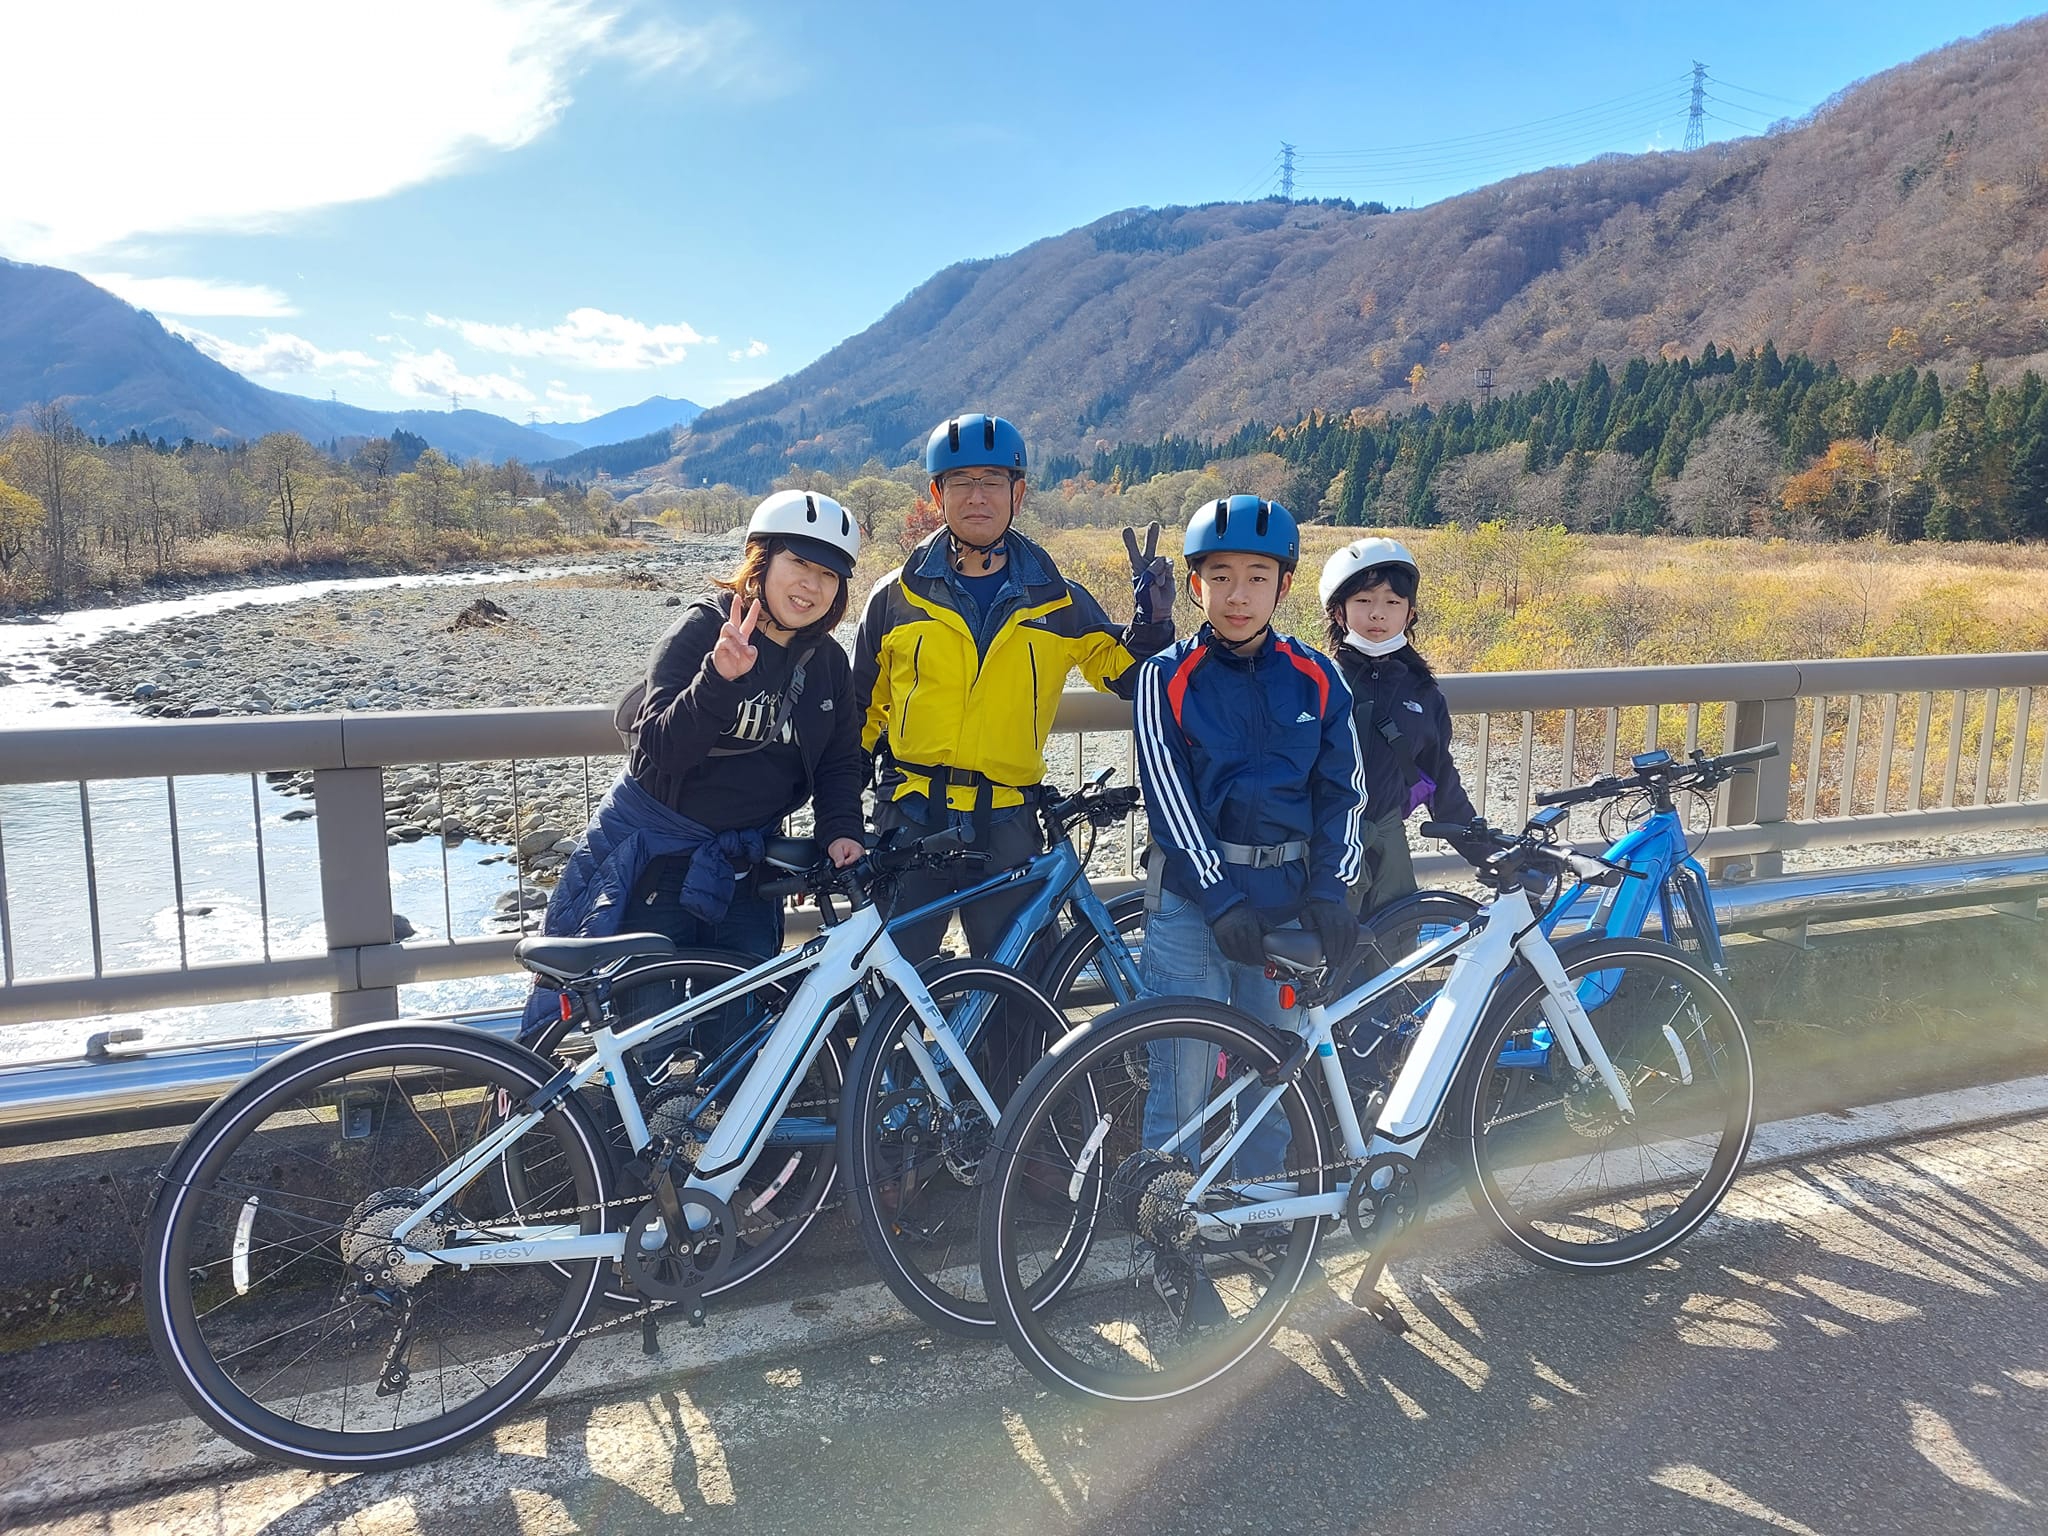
[
  {"x": 1012, "y": 840},
  {"x": 752, "y": 926}
]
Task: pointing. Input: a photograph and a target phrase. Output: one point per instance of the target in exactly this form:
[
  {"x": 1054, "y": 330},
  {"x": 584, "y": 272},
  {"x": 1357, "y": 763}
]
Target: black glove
[
  {"x": 1473, "y": 850},
  {"x": 1241, "y": 936},
  {"x": 1151, "y": 577},
  {"x": 1332, "y": 922}
]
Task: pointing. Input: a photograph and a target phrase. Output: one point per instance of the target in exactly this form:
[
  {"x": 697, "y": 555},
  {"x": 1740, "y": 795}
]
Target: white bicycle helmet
[
  {"x": 1358, "y": 556},
  {"x": 815, "y": 527}
]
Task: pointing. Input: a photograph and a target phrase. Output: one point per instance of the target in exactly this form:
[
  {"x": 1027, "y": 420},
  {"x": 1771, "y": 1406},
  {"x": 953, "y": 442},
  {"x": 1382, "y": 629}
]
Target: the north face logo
[{"x": 1304, "y": 717}]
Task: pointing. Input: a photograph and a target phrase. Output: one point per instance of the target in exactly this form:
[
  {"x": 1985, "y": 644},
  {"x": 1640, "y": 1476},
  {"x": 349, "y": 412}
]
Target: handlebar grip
[
  {"x": 1755, "y": 754},
  {"x": 1443, "y": 831},
  {"x": 778, "y": 890}
]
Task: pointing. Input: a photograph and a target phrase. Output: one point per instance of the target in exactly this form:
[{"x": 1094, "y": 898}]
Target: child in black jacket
[{"x": 1368, "y": 593}]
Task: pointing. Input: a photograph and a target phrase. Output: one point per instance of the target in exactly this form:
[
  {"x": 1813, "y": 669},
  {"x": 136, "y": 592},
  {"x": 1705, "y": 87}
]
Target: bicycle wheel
[
  {"x": 1078, "y": 978},
  {"x": 685, "y": 1077},
  {"x": 912, "y": 1148},
  {"x": 1573, "y": 1181},
  {"x": 1161, "y": 1305},
  {"x": 272, "y": 1295}
]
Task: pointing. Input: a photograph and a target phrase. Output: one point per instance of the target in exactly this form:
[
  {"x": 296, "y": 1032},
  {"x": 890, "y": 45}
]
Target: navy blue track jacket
[{"x": 1259, "y": 750}]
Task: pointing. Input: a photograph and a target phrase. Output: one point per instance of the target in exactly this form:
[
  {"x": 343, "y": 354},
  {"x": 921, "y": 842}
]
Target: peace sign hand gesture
[
  {"x": 1151, "y": 577},
  {"x": 734, "y": 655}
]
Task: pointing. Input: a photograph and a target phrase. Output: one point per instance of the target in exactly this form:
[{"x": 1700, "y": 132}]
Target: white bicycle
[
  {"x": 1602, "y": 1091},
  {"x": 383, "y": 1242}
]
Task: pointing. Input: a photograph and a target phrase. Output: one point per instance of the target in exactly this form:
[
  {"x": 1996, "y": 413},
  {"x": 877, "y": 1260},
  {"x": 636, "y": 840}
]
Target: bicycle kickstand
[{"x": 1367, "y": 1296}]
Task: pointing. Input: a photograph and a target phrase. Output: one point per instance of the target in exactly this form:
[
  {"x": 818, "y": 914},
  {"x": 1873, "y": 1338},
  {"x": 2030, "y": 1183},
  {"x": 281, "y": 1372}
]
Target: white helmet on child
[
  {"x": 815, "y": 527},
  {"x": 1357, "y": 557}
]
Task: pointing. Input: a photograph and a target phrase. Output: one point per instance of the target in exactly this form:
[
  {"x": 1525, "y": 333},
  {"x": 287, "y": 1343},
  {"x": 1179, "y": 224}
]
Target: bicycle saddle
[
  {"x": 1295, "y": 948},
  {"x": 795, "y": 854},
  {"x": 568, "y": 959}
]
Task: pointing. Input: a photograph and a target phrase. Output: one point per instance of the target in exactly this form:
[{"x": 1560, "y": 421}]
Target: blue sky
[{"x": 552, "y": 208}]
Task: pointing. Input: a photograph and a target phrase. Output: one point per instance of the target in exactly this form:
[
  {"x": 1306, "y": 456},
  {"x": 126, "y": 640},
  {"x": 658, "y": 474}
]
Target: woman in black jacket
[
  {"x": 1404, "y": 726},
  {"x": 746, "y": 713}
]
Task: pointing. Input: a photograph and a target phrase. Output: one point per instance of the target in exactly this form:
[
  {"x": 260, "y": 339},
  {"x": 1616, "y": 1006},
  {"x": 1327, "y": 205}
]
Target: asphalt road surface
[{"x": 1855, "y": 1344}]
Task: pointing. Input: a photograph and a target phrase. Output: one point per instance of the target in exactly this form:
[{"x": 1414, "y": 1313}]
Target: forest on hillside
[
  {"x": 80, "y": 513},
  {"x": 1756, "y": 444}
]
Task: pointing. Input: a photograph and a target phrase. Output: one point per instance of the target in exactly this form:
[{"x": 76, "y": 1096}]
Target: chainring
[
  {"x": 682, "y": 1265},
  {"x": 1378, "y": 1209}
]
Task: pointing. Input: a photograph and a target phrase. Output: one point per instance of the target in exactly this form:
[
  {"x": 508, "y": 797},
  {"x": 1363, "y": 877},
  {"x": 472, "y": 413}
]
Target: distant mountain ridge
[
  {"x": 1905, "y": 220},
  {"x": 628, "y": 421},
  {"x": 119, "y": 370}
]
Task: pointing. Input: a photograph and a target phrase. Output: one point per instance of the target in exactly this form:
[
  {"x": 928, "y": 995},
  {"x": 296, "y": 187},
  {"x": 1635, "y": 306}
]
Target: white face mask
[{"x": 1385, "y": 647}]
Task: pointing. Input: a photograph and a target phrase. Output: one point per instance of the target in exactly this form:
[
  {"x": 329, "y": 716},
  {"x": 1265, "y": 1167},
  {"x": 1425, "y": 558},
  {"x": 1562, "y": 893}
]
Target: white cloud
[
  {"x": 751, "y": 349},
  {"x": 569, "y": 404},
  {"x": 588, "y": 338},
  {"x": 255, "y": 112},
  {"x": 195, "y": 295},
  {"x": 279, "y": 352},
  {"x": 436, "y": 375}
]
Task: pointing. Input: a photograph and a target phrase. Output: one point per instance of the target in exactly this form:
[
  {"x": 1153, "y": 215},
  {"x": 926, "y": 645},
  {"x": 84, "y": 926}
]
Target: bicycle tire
[
  {"x": 1550, "y": 1155},
  {"x": 1074, "y": 1129},
  {"x": 910, "y": 1164},
  {"x": 270, "y": 1210},
  {"x": 1075, "y": 977},
  {"x": 777, "y": 1202}
]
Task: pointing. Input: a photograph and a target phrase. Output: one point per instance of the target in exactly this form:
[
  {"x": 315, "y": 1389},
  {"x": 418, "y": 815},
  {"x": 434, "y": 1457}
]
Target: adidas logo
[{"x": 1304, "y": 717}]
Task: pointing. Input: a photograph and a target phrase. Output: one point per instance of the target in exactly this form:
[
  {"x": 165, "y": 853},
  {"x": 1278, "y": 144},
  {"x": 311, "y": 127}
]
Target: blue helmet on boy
[
  {"x": 1245, "y": 525},
  {"x": 974, "y": 442}
]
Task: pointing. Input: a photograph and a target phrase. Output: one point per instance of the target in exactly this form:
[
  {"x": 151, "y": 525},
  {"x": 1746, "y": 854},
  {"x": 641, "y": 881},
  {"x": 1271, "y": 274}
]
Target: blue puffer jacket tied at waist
[{"x": 631, "y": 829}]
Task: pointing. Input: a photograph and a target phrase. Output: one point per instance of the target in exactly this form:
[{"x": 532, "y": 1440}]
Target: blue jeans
[{"x": 1181, "y": 959}]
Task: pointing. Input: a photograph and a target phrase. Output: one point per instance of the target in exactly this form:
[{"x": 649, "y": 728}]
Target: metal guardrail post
[
  {"x": 1763, "y": 797},
  {"x": 355, "y": 884}
]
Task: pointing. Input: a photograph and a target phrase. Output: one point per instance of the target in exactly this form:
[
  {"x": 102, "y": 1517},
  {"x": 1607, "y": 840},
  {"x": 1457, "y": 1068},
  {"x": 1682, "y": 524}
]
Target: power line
[
  {"x": 1729, "y": 85},
  {"x": 1408, "y": 151},
  {"x": 1504, "y": 159},
  {"x": 1533, "y": 152}
]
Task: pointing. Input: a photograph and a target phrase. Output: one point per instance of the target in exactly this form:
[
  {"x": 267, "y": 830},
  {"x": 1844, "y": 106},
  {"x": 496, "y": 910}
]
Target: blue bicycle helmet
[
  {"x": 1246, "y": 525},
  {"x": 974, "y": 442}
]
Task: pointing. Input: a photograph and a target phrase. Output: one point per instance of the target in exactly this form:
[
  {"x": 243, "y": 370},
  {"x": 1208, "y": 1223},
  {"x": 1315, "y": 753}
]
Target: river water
[{"x": 228, "y": 912}]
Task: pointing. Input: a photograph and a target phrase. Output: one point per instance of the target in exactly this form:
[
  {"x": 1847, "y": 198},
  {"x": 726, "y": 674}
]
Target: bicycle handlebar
[
  {"x": 1513, "y": 852},
  {"x": 1697, "y": 772}
]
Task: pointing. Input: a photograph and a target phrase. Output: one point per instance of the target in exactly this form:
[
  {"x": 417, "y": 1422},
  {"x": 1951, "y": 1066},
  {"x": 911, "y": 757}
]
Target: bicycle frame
[
  {"x": 1659, "y": 851},
  {"x": 832, "y": 965},
  {"x": 1508, "y": 931}
]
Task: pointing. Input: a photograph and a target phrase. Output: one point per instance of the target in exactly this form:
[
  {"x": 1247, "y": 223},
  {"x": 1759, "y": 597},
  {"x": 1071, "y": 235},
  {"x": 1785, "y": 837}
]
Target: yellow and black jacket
[{"x": 979, "y": 699}]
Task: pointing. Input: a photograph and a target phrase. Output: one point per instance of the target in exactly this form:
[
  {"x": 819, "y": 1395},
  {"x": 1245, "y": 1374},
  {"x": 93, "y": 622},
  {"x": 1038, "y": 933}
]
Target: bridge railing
[{"x": 1876, "y": 753}]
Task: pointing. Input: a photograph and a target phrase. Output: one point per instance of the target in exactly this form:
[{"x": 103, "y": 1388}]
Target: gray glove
[
  {"x": 1241, "y": 936},
  {"x": 1151, "y": 577}
]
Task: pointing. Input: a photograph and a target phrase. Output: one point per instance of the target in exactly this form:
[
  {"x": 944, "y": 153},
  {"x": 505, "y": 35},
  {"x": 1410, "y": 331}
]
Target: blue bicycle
[{"x": 1651, "y": 842}]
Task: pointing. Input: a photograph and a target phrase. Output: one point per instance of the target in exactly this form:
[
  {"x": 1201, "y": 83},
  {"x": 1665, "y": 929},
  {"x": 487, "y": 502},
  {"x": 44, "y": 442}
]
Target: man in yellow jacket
[{"x": 960, "y": 660}]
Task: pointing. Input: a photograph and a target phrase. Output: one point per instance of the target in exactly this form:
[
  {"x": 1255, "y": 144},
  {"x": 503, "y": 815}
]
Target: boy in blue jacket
[{"x": 1255, "y": 797}]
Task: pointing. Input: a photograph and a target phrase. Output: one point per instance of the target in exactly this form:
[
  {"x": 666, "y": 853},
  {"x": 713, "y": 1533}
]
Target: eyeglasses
[{"x": 962, "y": 481}]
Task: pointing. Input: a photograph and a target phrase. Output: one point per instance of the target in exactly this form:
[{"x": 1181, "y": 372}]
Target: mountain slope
[
  {"x": 628, "y": 421},
  {"x": 1905, "y": 220},
  {"x": 116, "y": 368}
]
